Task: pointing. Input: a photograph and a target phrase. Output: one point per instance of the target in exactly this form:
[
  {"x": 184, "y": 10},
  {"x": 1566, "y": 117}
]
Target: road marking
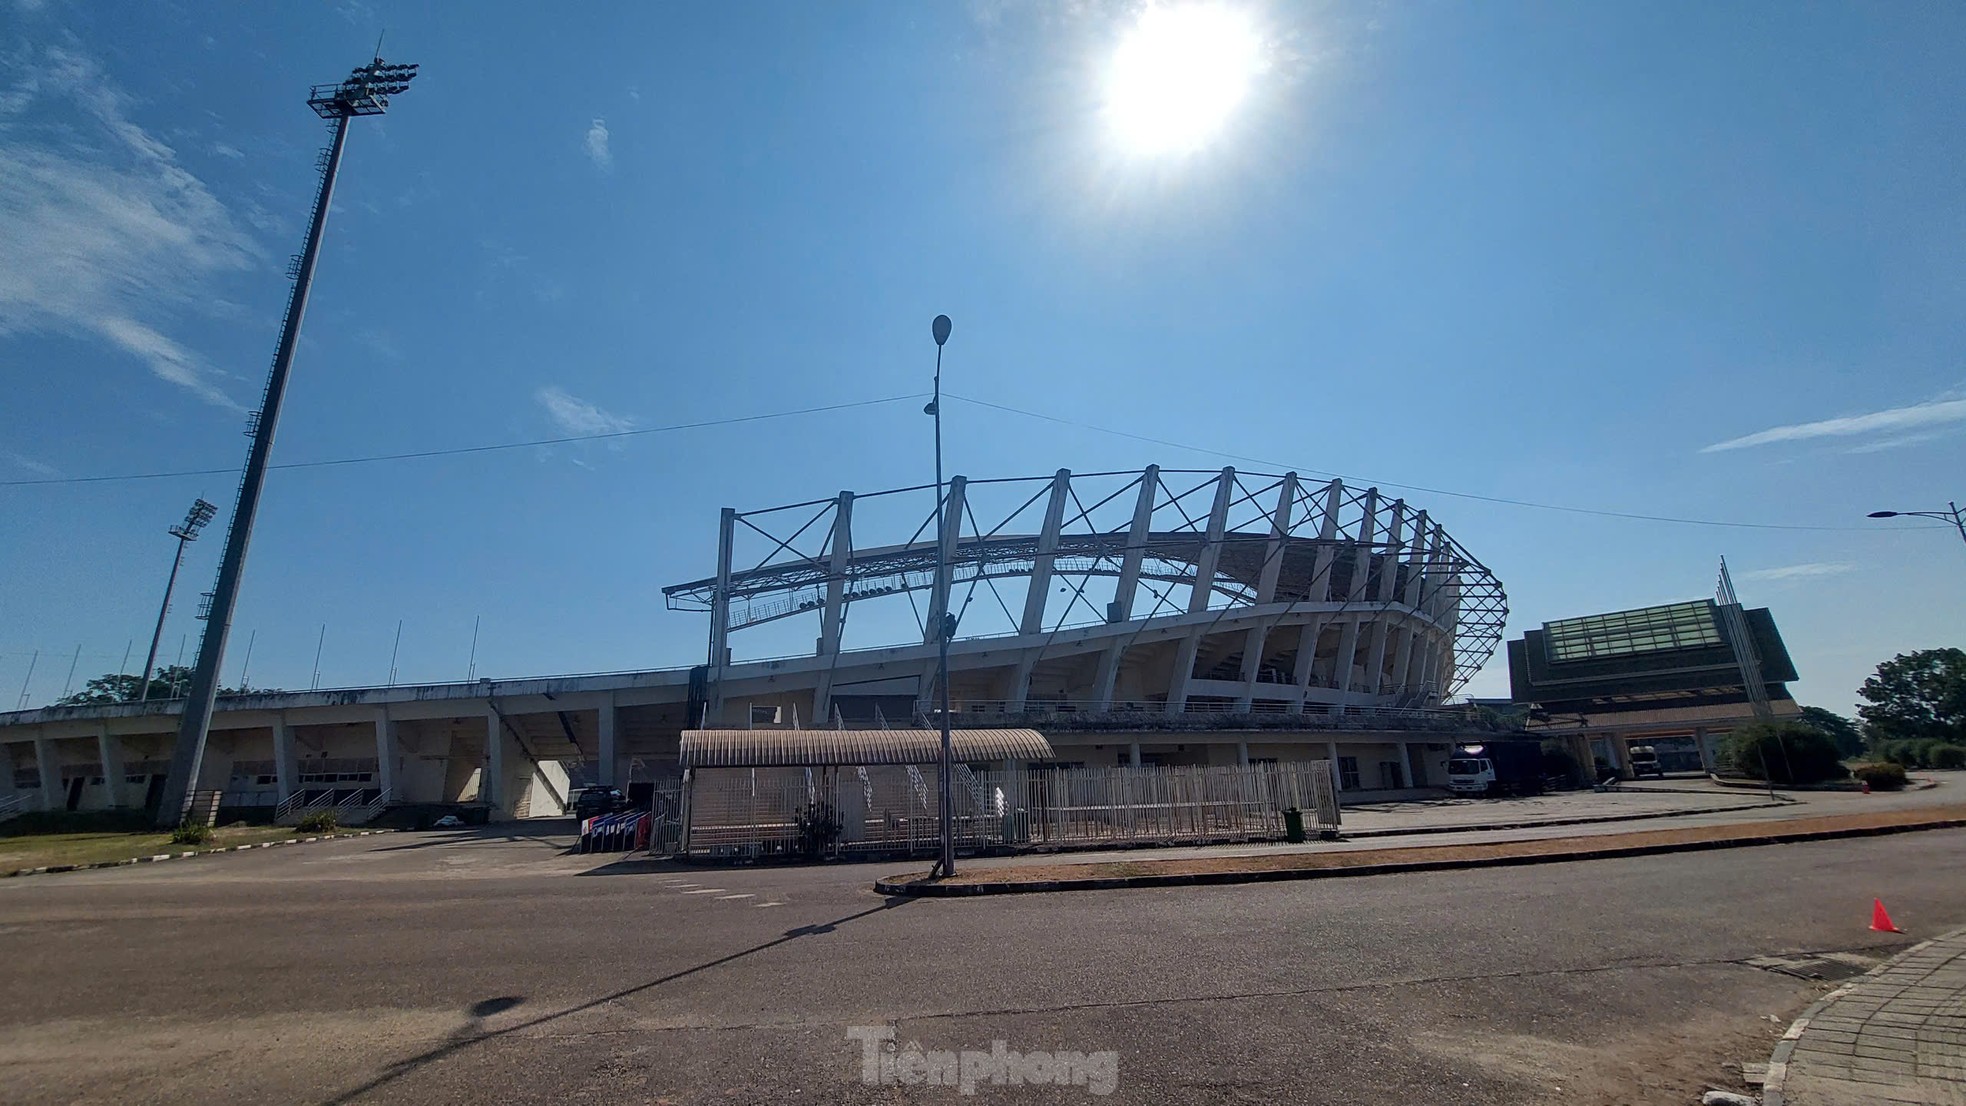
[
  {"x": 722, "y": 898},
  {"x": 762, "y": 905},
  {"x": 704, "y": 891}
]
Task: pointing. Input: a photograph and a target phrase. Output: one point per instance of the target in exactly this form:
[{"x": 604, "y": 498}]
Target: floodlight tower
[
  {"x": 187, "y": 531},
  {"x": 365, "y": 91}
]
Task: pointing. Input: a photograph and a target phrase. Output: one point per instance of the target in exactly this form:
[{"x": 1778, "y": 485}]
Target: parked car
[
  {"x": 1645, "y": 762},
  {"x": 591, "y": 802}
]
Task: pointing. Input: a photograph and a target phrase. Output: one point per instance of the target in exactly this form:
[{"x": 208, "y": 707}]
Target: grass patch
[{"x": 47, "y": 849}]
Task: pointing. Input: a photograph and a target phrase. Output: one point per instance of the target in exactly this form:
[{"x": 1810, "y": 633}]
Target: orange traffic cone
[{"x": 1879, "y": 920}]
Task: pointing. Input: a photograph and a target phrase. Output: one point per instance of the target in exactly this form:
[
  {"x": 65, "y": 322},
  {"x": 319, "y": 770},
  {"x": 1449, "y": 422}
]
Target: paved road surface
[{"x": 430, "y": 968}]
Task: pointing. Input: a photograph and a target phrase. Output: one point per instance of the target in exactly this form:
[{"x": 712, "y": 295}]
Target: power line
[
  {"x": 1414, "y": 487},
  {"x": 822, "y": 409},
  {"x": 461, "y": 450}
]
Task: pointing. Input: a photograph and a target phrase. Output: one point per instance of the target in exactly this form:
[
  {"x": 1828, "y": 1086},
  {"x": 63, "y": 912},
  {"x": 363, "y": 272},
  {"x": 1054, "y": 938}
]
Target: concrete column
[
  {"x": 1385, "y": 595},
  {"x": 1320, "y": 589},
  {"x": 1337, "y": 777},
  {"x": 1202, "y": 588},
  {"x": 112, "y": 766},
  {"x": 608, "y": 769},
  {"x": 713, "y": 705},
  {"x": 1622, "y": 750},
  {"x": 1266, "y": 588},
  {"x": 491, "y": 785},
  {"x": 1703, "y": 741},
  {"x": 1133, "y": 754},
  {"x": 1038, "y": 592},
  {"x": 950, "y": 537},
  {"x": 49, "y": 765},
  {"x": 1242, "y": 753},
  {"x": 1129, "y": 583},
  {"x": 385, "y": 755},
  {"x": 285, "y": 779},
  {"x": 1361, "y": 570},
  {"x": 832, "y": 616}
]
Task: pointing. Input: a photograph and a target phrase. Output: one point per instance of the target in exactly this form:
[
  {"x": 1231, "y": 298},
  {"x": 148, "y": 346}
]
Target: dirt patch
[{"x": 1751, "y": 833}]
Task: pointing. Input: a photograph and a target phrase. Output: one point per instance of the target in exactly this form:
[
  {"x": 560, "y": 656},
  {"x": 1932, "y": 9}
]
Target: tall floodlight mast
[
  {"x": 187, "y": 531},
  {"x": 366, "y": 91}
]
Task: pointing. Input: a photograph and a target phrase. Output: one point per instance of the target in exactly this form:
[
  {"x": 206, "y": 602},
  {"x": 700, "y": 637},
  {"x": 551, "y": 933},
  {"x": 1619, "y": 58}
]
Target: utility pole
[
  {"x": 187, "y": 531},
  {"x": 946, "y": 628},
  {"x": 365, "y": 91}
]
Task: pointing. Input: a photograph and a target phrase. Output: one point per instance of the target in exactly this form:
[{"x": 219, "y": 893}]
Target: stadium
[{"x": 1142, "y": 618}]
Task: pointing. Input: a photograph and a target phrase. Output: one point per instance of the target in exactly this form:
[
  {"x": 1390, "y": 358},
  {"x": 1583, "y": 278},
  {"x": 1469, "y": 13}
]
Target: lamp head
[
  {"x": 941, "y": 329},
  {"x": 1883, "y": 514}
]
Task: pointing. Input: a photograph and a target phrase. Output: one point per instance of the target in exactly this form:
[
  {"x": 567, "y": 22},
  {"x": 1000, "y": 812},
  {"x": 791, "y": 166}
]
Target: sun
[{"x": 1178, "y": 76}]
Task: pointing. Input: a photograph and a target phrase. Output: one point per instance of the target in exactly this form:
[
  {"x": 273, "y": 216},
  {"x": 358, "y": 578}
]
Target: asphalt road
[{"x": 430, "y": 968}]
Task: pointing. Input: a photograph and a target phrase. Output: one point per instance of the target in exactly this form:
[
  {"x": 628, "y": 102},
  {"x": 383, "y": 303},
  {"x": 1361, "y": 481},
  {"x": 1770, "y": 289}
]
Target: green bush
[
  {"x": 1947, "y": 756},
  {"x": 1786, "y": 753},
  {"x": 321, "y": 821},
  {"x": 192, "y": 833},
  {"x": 1902, "y": 753},
  {"x": 1884, "y": 776}
]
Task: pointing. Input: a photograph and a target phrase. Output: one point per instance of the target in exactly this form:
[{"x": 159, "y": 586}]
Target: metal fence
[{"x": 747, "y": 813}]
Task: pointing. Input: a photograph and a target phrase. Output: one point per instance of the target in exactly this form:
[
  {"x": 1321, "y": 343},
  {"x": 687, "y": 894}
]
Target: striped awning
[{"x": 816, "y": 748}]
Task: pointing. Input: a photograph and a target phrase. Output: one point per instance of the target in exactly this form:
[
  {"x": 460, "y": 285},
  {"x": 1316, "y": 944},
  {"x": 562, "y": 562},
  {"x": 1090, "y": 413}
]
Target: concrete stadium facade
[{"x": 1149, "y": 617}]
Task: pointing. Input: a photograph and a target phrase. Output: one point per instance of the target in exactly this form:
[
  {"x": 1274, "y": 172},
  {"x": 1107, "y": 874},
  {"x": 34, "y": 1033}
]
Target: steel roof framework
[{"x": 1154, "y": 542}]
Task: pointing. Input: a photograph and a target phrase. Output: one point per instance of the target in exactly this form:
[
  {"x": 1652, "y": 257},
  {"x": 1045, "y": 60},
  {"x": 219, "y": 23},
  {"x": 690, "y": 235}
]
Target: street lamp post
[
  {"x": 187, "y": 531},
  {"x": 1951, "y": 514},
  {"x": 946, "y": 774},
  {"x": 365, "y": 91}
]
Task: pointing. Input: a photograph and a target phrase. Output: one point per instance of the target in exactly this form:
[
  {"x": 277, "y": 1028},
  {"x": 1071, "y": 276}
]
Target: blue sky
[{"x": 1689, "y": 260}]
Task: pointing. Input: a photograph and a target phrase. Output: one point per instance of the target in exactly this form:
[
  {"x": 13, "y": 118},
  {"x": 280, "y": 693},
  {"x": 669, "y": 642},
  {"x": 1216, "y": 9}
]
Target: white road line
[
  {"x": 704, "y": 891},
  {"x": 723, "y": 898},
  {"x": 762, "y": 905}
]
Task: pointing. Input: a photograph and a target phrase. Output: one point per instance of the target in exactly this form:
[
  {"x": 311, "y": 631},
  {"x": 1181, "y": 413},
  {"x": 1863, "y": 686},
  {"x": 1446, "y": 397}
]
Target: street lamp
[
  {"x": 365, "y": 91},
  {"x": 946, "y": 775},
  {"x": 187, "y": 531},
  {"x": 1951, "y": 514}
]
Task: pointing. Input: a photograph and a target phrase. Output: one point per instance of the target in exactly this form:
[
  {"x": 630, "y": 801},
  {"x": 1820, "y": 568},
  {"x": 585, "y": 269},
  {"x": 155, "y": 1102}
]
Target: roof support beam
[
  {"x": 1129, "y": 582},
  {"x": 1202, "y": 589},
  {"x": 1266, "y": 588}
]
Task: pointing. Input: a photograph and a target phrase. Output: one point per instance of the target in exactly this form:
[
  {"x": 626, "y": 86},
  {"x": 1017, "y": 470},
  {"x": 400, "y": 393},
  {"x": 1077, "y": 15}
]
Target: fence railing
[
  {"x": 738, "y": 813},
  {"x": 14, "y": 805},
  {"x": 351, "y": 806},
  {"x": 1206, "y": 712}
]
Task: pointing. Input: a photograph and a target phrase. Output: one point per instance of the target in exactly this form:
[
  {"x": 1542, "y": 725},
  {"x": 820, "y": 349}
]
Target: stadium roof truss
[{"x": 1035, "y": 555}]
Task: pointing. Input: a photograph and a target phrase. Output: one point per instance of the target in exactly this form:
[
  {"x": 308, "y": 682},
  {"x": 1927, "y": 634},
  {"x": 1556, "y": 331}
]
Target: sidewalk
[{"x": 1897, "y": 1035}]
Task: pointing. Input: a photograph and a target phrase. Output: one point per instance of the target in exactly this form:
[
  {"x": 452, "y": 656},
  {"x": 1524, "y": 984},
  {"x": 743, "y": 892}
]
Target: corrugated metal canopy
[{"x": 816, "y": 748}]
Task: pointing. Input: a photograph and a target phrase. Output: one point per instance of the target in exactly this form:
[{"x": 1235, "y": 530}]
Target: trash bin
[{"x": 1293, "y": 826}]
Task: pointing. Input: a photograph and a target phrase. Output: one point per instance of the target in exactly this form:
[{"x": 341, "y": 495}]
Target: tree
[
  {"x": 1849, "y": 740},
  {"x": 173, "y": 681},
  {"x": 1916, "y": 695},
  {"x": 1787, "y": 752}
]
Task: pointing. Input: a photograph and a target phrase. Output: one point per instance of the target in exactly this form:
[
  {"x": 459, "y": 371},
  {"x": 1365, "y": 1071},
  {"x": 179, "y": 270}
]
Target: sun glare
[{"x": 1178, "y": 76}]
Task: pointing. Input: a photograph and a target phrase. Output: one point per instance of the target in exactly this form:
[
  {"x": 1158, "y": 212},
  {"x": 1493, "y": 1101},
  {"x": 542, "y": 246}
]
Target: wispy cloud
[
  {"x": 1805, "y": 571},
  {"x": 38, "y": 468},
  {"x": 1936, "y": 412},
  {"x": 597, "y": 144},
  {"x": 1896, "y": 443},
  {"x": 102, "y": 233},
  {"x": 577, "y": 417},
  {"x": 226, "y": 149}
]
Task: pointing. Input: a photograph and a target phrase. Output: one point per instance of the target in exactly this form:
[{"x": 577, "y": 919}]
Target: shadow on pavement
[{"x": 481, "y": 1009}]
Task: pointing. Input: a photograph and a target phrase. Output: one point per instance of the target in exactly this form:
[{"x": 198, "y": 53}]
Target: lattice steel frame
[{"x": 1227, "y": 539}]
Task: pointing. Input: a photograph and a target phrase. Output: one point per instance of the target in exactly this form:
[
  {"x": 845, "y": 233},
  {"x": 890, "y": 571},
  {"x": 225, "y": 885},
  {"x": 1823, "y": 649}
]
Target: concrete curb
[
  {"x": 54, "y": 868},
  {"x": 1772, "y": 1091},
  {"x": 1580, "y": 820},
  {"x": 1278, "y": 875}
]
